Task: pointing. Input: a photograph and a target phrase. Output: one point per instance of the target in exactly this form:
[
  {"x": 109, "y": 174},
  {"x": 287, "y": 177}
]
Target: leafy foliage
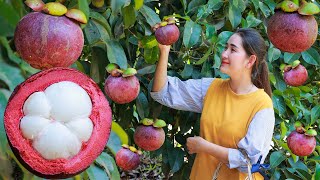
[{"x": 121, "y": 32}]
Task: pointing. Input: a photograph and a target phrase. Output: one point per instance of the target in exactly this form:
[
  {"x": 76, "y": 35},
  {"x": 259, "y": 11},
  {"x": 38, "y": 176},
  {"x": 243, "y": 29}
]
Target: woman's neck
[{"x": 242, "y": 85}]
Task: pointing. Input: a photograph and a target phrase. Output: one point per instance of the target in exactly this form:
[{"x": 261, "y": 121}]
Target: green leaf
[
  {"x": 102, "y": 21},
  {"x": 273, "y": 54},
  {"x": 290, "y": 57},
  {"x": 280, "y": 84},
  {"x": 147, "y": 70},
  {"x": 187, "y": 71},
  {"x": 152, "y": 17},
  {"x": 283, "y": 129},
  {"x": 151, "y": 55},
  {"x": 129, "y": 16},
  {"x": 265, "y": 9},
  {"x": 138, "y": 4},
  {"x": 215, "y": 4},
  {"x": 234, "y": 15},
  {"x": 315, "y": 114},
  {"x": 3, "y": 137},
  {"x": 252, "y": 21},
  {"x": 98, "y": 64},
  {"x": 10, "y": 75},
  {"x": 223, "y": 38},
  {"x": 192, "y": 33},
  {"x": 84, "y": 7},
  {"x": 175, "y": 157},
  {"x": 114, "y": 143},
  {"x": 317, "y": 171},
  {"x": 12, "y": 56},
  {"x": 194, "y": 4},
  {"x": 116, "y": 5},
  {"x": 298, "y": 165},
  {"x": 276, "y": 158},
  {"x": 96, "y": 173},
  {"x": 311, "y": 56},
  {"x": 96, "y": 34},
  {"x": 210, "y": 31},
  {"x": 204, "y": 57},
  {"x": 149, "y": 41},
  {"x": 8, "y": 19},
  {"x": 117, "y": 129},
  {"x": 142, "y": 105},
  {"x": 109, "y": 165},
  {"x": 279, "y": 104},
  {"x": 116, "y": 54}
]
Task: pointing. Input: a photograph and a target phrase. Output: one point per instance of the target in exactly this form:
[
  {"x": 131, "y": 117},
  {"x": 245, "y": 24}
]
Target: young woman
[{"x": 237, "y": 113}]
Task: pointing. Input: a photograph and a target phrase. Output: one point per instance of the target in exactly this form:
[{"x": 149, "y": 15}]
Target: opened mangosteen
[{"x": 57, "y": 122}]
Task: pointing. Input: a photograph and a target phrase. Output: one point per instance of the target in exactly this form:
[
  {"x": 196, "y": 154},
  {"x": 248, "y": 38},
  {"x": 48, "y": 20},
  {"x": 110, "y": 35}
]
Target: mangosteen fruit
[
  {"x": 49, "y": 40},
  {"x": 128, "y": 157},
  {"x": 121, "y": 86},
  {"x": 302, "y": 143},
  {"x": 149, "y": 135},
  {"x": 291, "y": 31},
  {"x": 166, "y": 32},
  {"x": 295, "y": 75},
  {"x": 57, "y": 122}
]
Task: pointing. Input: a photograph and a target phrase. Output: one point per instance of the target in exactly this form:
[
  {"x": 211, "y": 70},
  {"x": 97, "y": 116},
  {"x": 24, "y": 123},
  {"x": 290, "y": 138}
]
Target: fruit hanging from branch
[
  {"x": 50, "y": 40},
  {"x": 295, "y": 74},
  {"x": 128, "y": 157},
  {"x": 57, "y": 122},
  {"x": 149, "y": 135},
  {"x": 301, "y": 142},
  {"x": 166, "y": 32},
  {"x": 121, "y": 86},
  {"x": 293, "y": 27}
]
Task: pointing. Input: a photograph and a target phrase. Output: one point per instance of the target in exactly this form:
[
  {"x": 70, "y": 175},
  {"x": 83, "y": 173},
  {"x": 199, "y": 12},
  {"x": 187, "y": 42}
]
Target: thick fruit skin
[
  {"x": 46, "y": 41},
  {"x": 296, "y": 76},
  {"x": 149, "y": 138},
  {"x": 301, "y": 144},
  {"x": 292, "y": 32},
  {"x": 122, "y": 90},
  {"x": 127, "y": 159},
  {"x": 168, "y": 34},
  {"x": 59, "y": 168}
]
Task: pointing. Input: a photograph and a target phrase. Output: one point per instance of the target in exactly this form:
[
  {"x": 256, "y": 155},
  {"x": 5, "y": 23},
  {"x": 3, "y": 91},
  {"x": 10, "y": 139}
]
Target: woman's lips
[{"x": 223, "y": 62}]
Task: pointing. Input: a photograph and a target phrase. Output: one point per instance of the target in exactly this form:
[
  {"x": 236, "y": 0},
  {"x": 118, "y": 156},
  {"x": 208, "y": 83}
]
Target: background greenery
[{"x": 120, "y": 32}]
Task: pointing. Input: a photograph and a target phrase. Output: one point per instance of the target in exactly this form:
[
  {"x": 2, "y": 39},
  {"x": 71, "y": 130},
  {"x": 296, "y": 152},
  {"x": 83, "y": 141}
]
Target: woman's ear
[{"x": 252, "y": 60}]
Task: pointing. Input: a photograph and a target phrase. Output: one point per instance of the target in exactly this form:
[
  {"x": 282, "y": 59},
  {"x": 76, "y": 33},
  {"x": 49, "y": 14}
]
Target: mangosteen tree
[{"x": 113, "y": 42}]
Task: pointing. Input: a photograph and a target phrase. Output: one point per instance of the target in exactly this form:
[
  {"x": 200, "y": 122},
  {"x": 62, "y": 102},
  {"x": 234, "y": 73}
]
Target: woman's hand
[
  {"x": 195, "y": 144},
  {"x": 164, "y": 48}
]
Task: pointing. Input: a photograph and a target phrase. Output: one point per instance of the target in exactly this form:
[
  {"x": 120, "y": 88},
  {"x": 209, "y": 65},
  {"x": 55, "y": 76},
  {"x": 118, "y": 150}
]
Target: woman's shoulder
[{"x": 264, "y": 99}]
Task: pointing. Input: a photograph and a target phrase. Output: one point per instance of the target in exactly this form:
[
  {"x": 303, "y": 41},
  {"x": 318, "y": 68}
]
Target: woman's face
[{"x": 234, "y": 57}]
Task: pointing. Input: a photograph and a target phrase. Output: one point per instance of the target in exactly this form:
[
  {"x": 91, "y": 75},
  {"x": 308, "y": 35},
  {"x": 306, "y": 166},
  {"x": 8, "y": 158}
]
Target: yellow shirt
[{"x": 224, "y": 121}]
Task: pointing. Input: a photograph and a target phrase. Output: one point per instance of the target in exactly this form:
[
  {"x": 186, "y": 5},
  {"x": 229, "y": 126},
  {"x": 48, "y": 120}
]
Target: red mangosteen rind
[
  {"x": 301, "y": 144},
  {"x": 122, "y": 90},
  {"x": 127, "y": 159},
  {"x": 58, "y": 168},
  {"x": 46, "y": 41},
  {"x": 168, "y": 34},
  {"x": 295, "y": 76},
  {"x": 292, "y": 32},
  {"x": 149, "y": 138}
]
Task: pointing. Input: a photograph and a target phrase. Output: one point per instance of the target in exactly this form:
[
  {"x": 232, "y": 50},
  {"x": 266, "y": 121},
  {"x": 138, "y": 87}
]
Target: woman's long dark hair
[{"x": 254, "y": 44}]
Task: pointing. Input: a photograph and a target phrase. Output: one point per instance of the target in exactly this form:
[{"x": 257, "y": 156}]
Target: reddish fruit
[
  {"x": 292, "y": 32},
  {"x": 295, "y": 76},
  {"x": 46, "y": 41},
  {"x": 301, "y": 144},
  {"x": 57, "y": 122},
  {"x": 122, "y": 89},
  {"x": 127, "y": 160},
  {"x": 168, "y": 34},
  {"x": 149, "y": 138}
]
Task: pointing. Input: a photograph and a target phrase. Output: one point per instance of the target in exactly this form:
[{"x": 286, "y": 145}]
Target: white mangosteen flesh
[{"x": 57, "y": 120}]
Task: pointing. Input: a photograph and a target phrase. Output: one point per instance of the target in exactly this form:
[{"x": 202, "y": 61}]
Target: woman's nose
[{"x": 224, "y": 54}]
